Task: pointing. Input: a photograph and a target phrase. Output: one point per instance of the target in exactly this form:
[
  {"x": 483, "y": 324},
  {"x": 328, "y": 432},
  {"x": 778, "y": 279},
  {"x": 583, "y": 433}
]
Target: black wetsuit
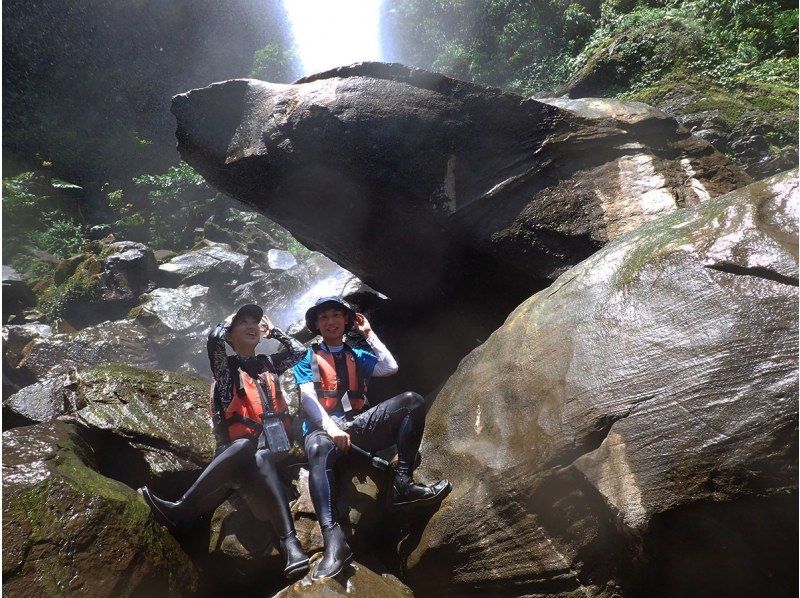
[{"x": 238, "y": 466}]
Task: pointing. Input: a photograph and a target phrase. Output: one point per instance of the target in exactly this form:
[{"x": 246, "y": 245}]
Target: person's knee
[
  {"x": 318, "y": 449},
  {"x": 413, "y": 401}
]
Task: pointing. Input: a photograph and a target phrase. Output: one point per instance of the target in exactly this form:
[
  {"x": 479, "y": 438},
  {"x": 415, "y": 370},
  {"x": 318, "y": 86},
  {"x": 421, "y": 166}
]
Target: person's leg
[
  {"x": 322, "y": 455},
  {"x": 264, "y": 493},
  {"x": 221, "y": 477},
  {"x": 399, "y": 420}
]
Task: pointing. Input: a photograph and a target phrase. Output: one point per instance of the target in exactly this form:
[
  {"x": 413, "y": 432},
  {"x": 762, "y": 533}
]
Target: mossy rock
[
  {"x": 77, "y": 299},
  {"x": 163, "y": 415},
  {"x": 67, "y": 268},
  {"x": 69, "y": 530}
]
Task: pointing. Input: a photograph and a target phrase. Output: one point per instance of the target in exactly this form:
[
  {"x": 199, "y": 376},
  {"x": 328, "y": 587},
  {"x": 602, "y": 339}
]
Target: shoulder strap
[
  {"x": 316, "y": 376},
  {"x": 360, "y": 378}
]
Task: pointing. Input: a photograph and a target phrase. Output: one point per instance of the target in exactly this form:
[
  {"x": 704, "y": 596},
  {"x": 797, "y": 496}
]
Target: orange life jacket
[
  {"x": 243, "y": 416},
  {"x": 327, "y": 384}
]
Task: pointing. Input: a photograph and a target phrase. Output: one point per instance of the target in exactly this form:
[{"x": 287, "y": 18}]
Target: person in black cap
[
  {"x": 333, "y": 379},
  {"x": 251, "y": 428}
]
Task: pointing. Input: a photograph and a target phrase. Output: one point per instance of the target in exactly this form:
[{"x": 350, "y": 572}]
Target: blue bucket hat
[{"x": 327, "y": 303}]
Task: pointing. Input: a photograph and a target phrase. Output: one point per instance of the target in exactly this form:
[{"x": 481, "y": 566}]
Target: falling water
[{"x": 330, "y": 34}]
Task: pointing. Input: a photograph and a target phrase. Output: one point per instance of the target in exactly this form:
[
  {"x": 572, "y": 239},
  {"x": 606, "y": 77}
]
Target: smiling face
[
  {"x": 332, "y": 323},
  {"x": 245, "y": 335}
]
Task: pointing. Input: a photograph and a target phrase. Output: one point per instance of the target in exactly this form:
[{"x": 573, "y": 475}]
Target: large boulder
[
  {"x": 455, "y": 200},
  {"x": 439, "y": 172},
  {"x": 178, "y": 322},
  {"x": 632, "y": 429},
  {"x": 129, "y": 269},
  {"x": 124, "y": 341},
  {"x": 214, "y": 265},
  {"x": 15, "y": 339},
  {"x": 153, "y": 425},
  {"x": 100, "y": 285},
  {"x": 69, "y": 530}
]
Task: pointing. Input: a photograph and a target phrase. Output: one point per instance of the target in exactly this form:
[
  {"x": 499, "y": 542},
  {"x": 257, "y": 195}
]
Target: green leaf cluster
[
  {"x": 273, "y": 63},
  {"x": 162, "y": 210},
  {"x": 41, "y": 213}
]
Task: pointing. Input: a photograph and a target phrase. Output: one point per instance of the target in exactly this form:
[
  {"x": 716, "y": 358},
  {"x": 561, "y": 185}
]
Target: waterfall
[{"x": 330, "y": 34}]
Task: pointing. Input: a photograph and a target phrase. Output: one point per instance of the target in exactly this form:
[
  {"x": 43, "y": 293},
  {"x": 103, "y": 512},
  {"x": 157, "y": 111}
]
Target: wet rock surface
[
  {"x": 215, "y": 264},
  {"x": 454, "y": 200},
  {"x": 121, "y": 341},
  {"x": 17, "y": 295},
  {"x": 69, "y": 530},
  {"x": 129, "y": 269},
  {"x": 640, "y": 436},
  {"x": 488, "y": 177},
  {"x": 158, "y": 419},
  {"x": 356, "y": 580}
]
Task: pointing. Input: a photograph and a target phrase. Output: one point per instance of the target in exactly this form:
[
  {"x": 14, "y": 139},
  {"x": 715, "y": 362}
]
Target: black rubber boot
[
  {"x": 162, "y": 509},
  {"x": 407, "y": 495},
  {"x": 337, "y": 553},
  {"x": 296, "y": 557}
]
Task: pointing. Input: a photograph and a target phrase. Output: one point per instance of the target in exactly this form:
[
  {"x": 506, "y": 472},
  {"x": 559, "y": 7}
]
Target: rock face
[
  {"x": 410, "y": 167},
  {"x": 153, "y": 425},
  {"x": 123, "y": 341},
  {"x": 69, "y": 530},
  {"x": 17, "y": 295},
  {"x": 356, "y": 580},
  {"x": 454, "y": 200},
  {"x": 178, "y": 322},
  {"x": 215, "y": 264},
  {"x": 632, "y": 429}
]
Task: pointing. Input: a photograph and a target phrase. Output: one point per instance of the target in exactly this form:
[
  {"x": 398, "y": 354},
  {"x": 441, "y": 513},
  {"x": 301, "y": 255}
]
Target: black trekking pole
[{"x": 375, "y": 461}]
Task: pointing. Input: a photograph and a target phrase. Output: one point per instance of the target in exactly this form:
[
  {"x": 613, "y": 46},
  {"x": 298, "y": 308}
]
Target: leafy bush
[
  {"x": 39, "y": 213},
  {"x": 273, "y": 63},
  {"x": 63, "y": 237},
  {"x": 163, "y": 209}
]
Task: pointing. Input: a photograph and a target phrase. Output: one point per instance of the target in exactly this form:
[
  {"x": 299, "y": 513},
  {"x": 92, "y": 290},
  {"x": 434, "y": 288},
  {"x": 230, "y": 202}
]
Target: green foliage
[
  {"x": 273, "y": 63},
  {"x": 522, "y": 45},
  {"x": 163, "y": 209},
  {"x": 81, "y": 287},
  {"x": 40, "y": 214},
  {"x": 62, "y": 237}
]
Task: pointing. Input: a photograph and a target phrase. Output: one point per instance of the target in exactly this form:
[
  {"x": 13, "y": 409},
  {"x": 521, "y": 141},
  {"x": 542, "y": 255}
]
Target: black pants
[
  {"x": 238, "y": 467},
  {"x": 399, "y": 420}
]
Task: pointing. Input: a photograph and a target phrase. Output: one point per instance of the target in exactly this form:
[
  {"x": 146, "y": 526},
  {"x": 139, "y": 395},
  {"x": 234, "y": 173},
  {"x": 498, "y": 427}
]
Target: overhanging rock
[{"x": 430, "y": 188}]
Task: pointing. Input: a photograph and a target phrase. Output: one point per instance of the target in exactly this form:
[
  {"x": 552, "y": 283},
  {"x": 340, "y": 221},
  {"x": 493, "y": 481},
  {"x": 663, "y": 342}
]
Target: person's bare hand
[
  {"x": 362, "y": 324},
  {"x": 340, "y": 439},
  {"x": 266, "y": 326}
]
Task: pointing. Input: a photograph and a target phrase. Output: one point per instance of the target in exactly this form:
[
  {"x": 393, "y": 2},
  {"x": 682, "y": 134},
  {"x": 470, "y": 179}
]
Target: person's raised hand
[
  {"x": 362, "y": 324},
  {"x": 266, "y": 326}
]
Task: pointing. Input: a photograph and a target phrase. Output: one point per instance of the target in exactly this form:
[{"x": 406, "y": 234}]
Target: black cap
[
  {"x": 327, "y": 303},
  {"x": 251, "y": 309}
]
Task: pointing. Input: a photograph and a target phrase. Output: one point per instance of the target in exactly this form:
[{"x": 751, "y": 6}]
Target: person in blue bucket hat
[{"x": 333, "y": 378}]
